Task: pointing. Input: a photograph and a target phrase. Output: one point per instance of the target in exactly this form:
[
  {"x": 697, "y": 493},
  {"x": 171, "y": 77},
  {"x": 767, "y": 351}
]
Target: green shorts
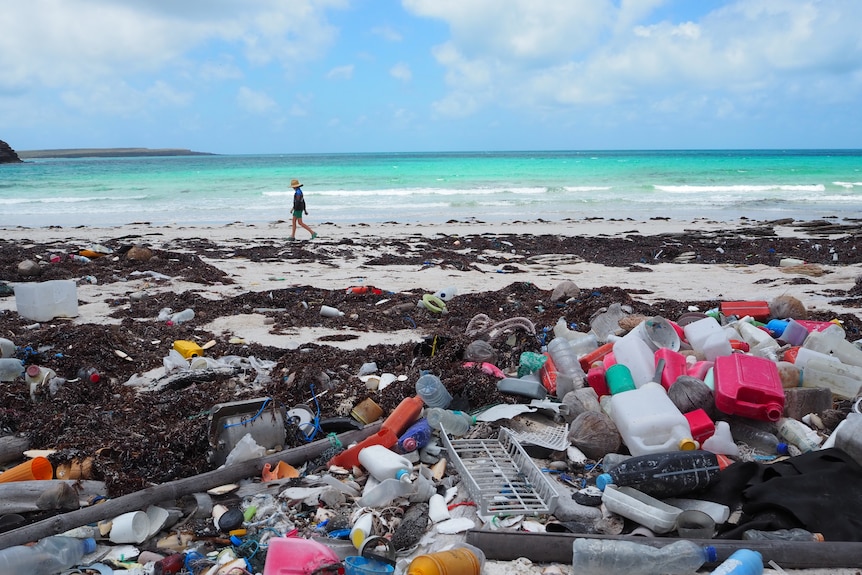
[{"x": 297, "y": 214}]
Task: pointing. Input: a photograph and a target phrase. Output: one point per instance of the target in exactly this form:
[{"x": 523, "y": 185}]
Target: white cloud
[
  {"x": 387, "y": 33},
  {"x": 79, "y": 42},
  {"x": 541, "y": 54},
  {"x": 340, "y": 73},
  {"x": 254, "y": 101},
  {"x": 401, "y": 71}
]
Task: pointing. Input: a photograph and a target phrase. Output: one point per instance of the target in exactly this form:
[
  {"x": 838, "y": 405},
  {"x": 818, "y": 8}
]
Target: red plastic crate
[{"x": 759, "y": 310}]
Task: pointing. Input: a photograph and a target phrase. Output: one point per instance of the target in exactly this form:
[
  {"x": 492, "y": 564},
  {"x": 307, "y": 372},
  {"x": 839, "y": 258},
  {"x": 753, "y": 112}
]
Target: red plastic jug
[
  {"x": 749, "y": 386},
  {"x": 674, "y": 365}
]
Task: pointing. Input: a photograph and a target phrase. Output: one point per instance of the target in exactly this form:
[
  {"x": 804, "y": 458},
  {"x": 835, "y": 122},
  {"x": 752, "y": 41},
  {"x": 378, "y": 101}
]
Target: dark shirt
[{"x": 299, "y": 202}]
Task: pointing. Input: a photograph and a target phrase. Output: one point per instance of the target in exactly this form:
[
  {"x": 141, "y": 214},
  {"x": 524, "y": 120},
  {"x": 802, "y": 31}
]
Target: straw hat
[{"x": 294, "y": 183}]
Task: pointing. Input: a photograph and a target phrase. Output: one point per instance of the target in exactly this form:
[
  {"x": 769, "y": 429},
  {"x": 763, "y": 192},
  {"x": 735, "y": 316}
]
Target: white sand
[{"x": 669, "y": 281}]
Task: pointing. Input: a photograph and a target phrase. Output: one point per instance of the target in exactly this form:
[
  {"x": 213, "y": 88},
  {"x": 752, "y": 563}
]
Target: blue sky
[{"x": 296, "y": 76}]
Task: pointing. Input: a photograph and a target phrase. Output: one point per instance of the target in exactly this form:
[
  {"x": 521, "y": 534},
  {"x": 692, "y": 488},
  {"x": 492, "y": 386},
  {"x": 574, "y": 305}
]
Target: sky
[{"x": 332, "y": 76}]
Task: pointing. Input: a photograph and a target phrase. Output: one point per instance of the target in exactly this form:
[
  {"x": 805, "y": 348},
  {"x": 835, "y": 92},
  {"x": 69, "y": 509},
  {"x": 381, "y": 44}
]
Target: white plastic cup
[
  {"x": 132, "y": 527},
  {"x": 327, "y": 311}
]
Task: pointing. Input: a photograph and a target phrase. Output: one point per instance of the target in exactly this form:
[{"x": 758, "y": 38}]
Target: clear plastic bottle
[
  {"x": 741, "y": 562},
  {"x": 10, "y": 369},
  {"x": 432, "y": 391},
  {"x": 90, "y": 374},
  {"x": 796, "y": 534},
  {"x": 603, "y": 556},
  {"x": 47, "y": 557},
  {"x": 183, "y": 316},
  {"x": 757, "y": 438},
  {"x": 570, "y": 375},
  {"x": 454, "y": 422},
  {"x": 7, "y": 347},
  {"x": 799, "y": 434}
]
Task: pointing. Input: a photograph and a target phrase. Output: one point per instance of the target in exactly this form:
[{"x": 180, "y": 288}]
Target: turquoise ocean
[{"x": 434, "y": 187}]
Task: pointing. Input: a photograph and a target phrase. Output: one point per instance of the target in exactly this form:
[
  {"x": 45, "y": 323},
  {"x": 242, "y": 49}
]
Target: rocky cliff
[{"x": 7, "y": 154}]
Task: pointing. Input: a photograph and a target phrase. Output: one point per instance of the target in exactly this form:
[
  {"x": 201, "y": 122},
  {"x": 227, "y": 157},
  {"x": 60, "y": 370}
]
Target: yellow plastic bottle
[{"x": 462, "y": 560}]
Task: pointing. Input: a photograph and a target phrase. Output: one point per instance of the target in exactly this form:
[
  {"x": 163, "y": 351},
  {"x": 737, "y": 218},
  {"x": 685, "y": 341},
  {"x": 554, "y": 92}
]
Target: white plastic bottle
[
  {"x": 383, "y": 463},
  {"x": 603, "y": 556},
  {"x": 832, "y": 341},
  {"x": 7, "y": 347},
  {"x": 47, "y": 557},
  {"x": 843, "y": 380},
  {"x": 183, "y": 316},
  {"x": 454, "y": 422}
]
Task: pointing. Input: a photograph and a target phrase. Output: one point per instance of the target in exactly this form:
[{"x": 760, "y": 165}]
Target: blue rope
[
  {"x": 315, "y": 420},
  {"x": 253, "y": 417}
]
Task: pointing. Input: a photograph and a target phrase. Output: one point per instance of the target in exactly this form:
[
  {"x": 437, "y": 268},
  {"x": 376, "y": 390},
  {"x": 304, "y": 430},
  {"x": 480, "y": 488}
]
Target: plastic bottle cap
[
  {"x": 711, "y": 554},
  {"x": 32, "y": 370},
  {"x": 782, "y": 449},
  {"x": 89, "y": 545},
  {"x": 403, "y": 475},
  {"x": 604, "y": 480},
  {"x": 235, "y": 540},
  {"x": 409, "y": 444},
  {"x": 723, "y": 461},
  {"x": 687, "y": 444}
]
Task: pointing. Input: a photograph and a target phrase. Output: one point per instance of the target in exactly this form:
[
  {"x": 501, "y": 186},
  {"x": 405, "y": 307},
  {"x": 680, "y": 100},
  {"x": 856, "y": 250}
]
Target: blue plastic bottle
[
  {"x": 416, "y": 437},
  {"x": 741, "y": 562}
]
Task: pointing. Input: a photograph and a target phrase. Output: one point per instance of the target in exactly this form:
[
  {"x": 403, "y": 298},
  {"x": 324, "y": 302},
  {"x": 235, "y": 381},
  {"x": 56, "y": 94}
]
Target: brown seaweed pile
[{"x": 141, "y": 439}]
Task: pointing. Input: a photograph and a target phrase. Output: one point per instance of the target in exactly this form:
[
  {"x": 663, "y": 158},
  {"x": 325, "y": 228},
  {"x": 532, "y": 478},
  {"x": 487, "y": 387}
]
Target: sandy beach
[{"x": 255, "y": 294}]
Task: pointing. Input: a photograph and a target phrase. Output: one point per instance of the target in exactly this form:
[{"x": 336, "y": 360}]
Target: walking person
[{"x": 298, "y": 210}]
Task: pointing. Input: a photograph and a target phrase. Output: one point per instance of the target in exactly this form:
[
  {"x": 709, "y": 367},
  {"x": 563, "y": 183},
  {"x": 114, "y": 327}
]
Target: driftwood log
[
  {"x": 174, "y": 490},
  {"x": 23, "y": 496},
  {"x": 12, "y": 446}
]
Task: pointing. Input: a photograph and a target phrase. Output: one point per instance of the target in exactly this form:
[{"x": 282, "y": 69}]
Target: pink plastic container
[
  {"x": 297, "y": 556},
  {"x": 674, "y": 366},
  {"x": 749, "y": 386},
  {"x": 702, "y": 426}
]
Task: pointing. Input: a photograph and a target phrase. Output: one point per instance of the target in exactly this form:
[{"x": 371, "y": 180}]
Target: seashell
[
  {"x": 223, "y": 489},
  {"x": 208, "y": 344}
]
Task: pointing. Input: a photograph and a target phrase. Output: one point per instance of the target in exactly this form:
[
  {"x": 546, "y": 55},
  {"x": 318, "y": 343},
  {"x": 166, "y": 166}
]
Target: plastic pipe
[{"x": 557, "y": 548}]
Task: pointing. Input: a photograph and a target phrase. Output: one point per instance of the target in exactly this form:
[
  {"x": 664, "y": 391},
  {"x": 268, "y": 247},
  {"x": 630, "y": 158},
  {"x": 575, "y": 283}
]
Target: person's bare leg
[
  {"x": 305, "y": 226},
  {"x": 293, "y": 228}
]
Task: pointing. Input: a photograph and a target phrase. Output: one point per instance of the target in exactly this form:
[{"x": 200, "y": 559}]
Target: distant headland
[{"x": 107, "y": 153}]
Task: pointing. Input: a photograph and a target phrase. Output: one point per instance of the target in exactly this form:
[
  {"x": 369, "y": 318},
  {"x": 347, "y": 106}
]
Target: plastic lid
[
  {"x": 711, "y": 554},
  {"x": 687, "y": 444},
  {"x": 409, "y": 444},
  {"x": 235, "y": 540},
  {"x": 604, "y": 480},
  {"x": 89, "y": 545},
  {"x": 402, "y": 475},
  {"x": 782, "y": 449},
  {"x": 32, "y": 370}
]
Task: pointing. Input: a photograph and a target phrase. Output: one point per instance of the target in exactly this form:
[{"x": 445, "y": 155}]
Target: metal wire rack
[{"x": 499, "y": 475}]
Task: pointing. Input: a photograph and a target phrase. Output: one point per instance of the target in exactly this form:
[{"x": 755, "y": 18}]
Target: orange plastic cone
[{"x": 36, "y": 468}]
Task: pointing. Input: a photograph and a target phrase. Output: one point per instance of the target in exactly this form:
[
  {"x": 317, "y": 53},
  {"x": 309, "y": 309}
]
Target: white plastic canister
[
  {"x": 649, "y": 422},
  {"x": 43, "y": 301}
]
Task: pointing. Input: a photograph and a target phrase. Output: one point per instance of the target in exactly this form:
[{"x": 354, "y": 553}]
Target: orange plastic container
[
  {"x": 404, "y": 415},
  {"x": 349, "y": 458}
]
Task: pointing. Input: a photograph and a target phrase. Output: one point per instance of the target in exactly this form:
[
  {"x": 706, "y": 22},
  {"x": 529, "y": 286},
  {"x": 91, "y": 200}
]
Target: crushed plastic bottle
[
  {"x": 796, "y": 534},
  {"x": 741, "y": 562},
  {"x": 756, "y": 438},
  {"x": 666, "y": 474},
  {"x": 183, "y": 316},
  {"x": 603, "y": 556}
]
